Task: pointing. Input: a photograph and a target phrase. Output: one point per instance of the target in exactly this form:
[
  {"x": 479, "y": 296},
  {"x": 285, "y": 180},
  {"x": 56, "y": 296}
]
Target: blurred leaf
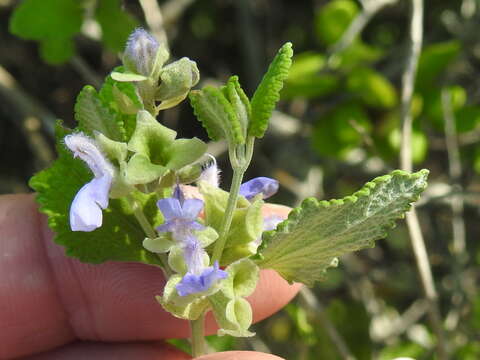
[
  {"x": 404, "y": 349},
  {"x": 433, "y": 108},
  {"x": 116, "y": 24},
  {"x": 433, "y": 60},
  {"x": 47, "y": 19},
  {"x": 333, "y": 19},
  {"x": 334, "y": 134},
  {"x": 356, "y": 334},
  {"x": 57, "y": 51},
  {"x": 221, "y": 343},
  {"x": 305, "y": 80},
  {"x": 419, "y": 144},
  {"x": 470, "y": 351},
  {"x": 51, "y": 22},
  {"x": 373, "y": 88},
  {"x": 358, "y": 53},
  {"x": 467, "y": 118}
]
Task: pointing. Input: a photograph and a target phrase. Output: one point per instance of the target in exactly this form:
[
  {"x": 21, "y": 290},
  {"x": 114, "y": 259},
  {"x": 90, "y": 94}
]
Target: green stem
[
  {"x": 199, "y": 347},
  {"x": 149, "y": 231},
  {"x": 240, "y": 165}
]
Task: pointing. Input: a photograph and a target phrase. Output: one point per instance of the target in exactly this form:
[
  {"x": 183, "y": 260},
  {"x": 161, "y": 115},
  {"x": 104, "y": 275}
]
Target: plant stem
[
  {"x": 227, "y": 219},
  {"x": 198, "y": 337},
  {"x": 149, "y": 231},
  {"x": 413, "y": 224},
  {"x": 240, "y": 161}
]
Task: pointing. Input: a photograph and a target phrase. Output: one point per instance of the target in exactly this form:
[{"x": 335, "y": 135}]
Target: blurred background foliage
[{"x": 337, "y": 127}]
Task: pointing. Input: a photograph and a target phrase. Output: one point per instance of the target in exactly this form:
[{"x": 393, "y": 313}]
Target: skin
[{"x": 57, "y": 308}]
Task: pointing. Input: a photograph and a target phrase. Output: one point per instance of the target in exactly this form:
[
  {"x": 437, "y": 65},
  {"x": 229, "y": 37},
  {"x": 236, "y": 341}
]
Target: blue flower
[
  {"x": 86, "y": 209},
  {"x": 193, "y": 283},
  {"x": 180, "y": 215},
  {"x": 264, "y": 185},
  {"x": 141, "y": 51}
]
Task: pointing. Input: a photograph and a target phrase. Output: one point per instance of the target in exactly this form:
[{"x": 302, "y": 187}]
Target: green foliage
[
  {"x": 334, "y": 134},
  {"x": 247, "y": 223},
  {"x": 217, "y": 115},
  {"x": 433, "y": 60},
  {"x": 305, "y": 80},
  {"x": 372, "y": 88},
  {"x": 92, "y": 115},
  {"x": 120, "y": 237},
  {"x": 51, "y": 22},
  {"x": 316, "y": 233},
  {"x": 333, "y": 19},
  {"x": 115, "y": 23},
  {"x": 122, "y": 99},
  {"x": 268, "y": 91},
  {"x": 54, "y": 24}
]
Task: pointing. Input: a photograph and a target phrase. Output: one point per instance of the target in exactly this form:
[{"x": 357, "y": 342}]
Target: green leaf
[
  {"x": 52, "y": 22},
  {"x": 118, "y": 239},
  {"x": 334, "y": 134},
  {"x": 92, "y": 115},
  {"x": 116, "y": 24},
  {"x": 184, "y": 152},
  {"x": 127, "y": 76},
  {"x": 305, "y": 80},
  {"x": 217, "y": 115},
  {"x": 268, "y": 91},
  {"x": 373, "y": 88},
  {"x": 247, "y": 222},
  {"x": 239, "y": 100},
  {"x": 57, "y": 51},
  {"x": 122, "y": 99},
  {"x": 140, "y": 170},
  {"x": 316, "y": 233},
  {"x": 433, "y": 60},
  {"x": 333, "y": 19}
]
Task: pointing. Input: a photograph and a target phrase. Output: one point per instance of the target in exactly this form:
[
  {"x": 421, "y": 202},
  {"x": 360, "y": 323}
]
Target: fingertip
[{"x": 239, "y": 355}]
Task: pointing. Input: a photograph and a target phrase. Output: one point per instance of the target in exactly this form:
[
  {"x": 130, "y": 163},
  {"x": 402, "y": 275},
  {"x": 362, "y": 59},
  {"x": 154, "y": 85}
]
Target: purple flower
[
  {"x": 180, "y": 215},
  {"x": 193, "y": 283},
  {"x": 264, "y": 185},
  {"x": 141, "y": 51},
  {"x": 86, "y": 208}
]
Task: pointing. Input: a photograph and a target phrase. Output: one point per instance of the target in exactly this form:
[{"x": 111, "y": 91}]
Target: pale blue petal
[
  {"x": 264, "y": 185},
  {"x": 193, "y": 254},
  {"x": 170, "y": 208},
  {"x": 191, "y": 208},
  {"x": 85, "y": 212},
  {"x": 191, "y": 284}
]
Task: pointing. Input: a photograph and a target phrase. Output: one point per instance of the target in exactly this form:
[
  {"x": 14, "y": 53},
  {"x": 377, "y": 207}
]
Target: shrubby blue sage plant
[{"x": 117, "y": 191}]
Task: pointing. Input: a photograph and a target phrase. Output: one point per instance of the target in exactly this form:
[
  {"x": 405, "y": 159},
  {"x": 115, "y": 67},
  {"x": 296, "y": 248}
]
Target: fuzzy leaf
[
  {"x": 118, "y": 239},
  {"x": 239, "y": 100},
  {"x": 268, "y": 92},
  {"x": 92, "y": 115},
  {"x": 217, "y": 115},
  {"x": 121, "y": 98},
  {"x": 316, "y": 233}
]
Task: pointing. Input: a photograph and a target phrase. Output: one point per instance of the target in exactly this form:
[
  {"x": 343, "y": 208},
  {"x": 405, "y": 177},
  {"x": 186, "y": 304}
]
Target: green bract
[
  {"x": 316, "y": 233},
  {"x": 156, "y": 151},
  {"x": 232, "y": 312},
  {"x": 247, "y": 222}
]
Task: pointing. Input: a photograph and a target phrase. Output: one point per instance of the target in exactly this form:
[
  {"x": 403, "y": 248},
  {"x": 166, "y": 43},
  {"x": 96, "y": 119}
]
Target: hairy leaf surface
[
  {"x": 268, "y": 92},
  {"x": 316, "y": 233}
]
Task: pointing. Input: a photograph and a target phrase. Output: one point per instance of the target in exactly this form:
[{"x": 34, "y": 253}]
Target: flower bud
[{"x": 143, "y": 54}]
